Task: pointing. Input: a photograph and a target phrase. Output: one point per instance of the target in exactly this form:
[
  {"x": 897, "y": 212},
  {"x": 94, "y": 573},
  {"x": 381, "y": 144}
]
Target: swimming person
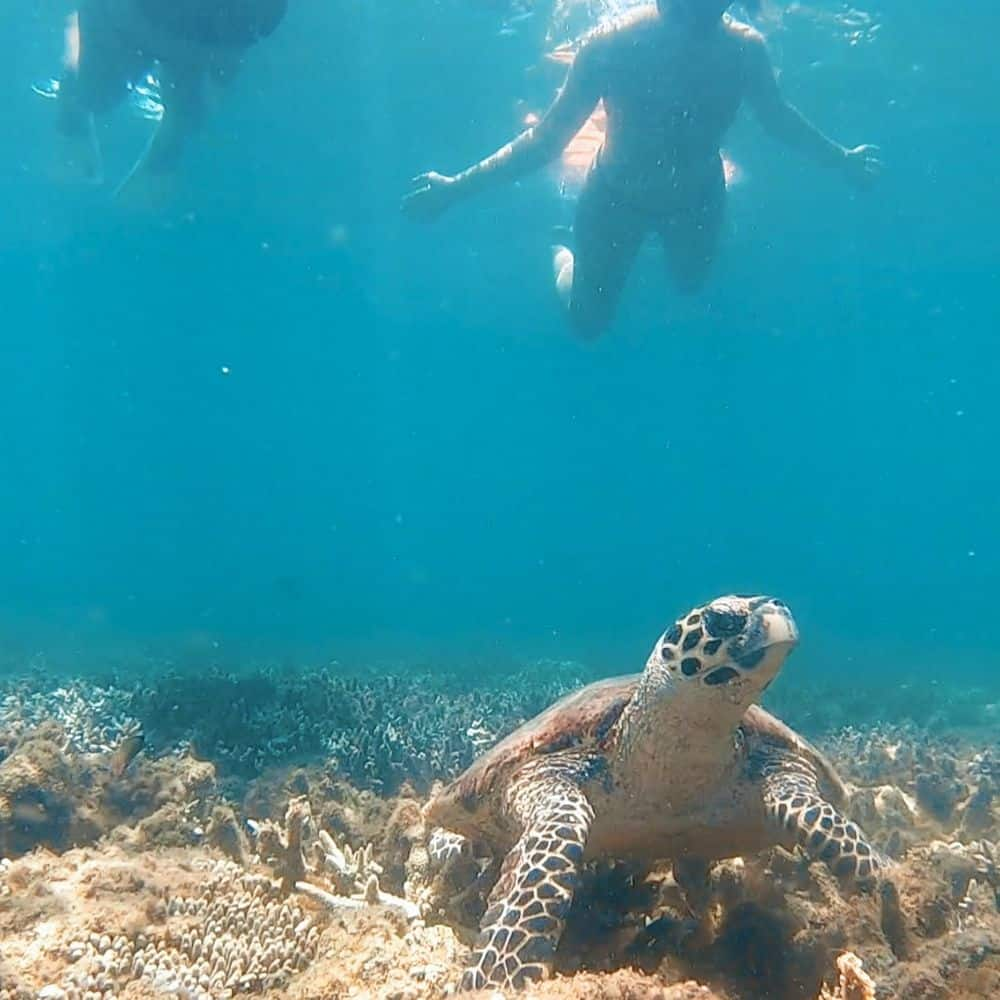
[
  {"x": 672, "y": 78},
  {"x": 113, "y": 42}
]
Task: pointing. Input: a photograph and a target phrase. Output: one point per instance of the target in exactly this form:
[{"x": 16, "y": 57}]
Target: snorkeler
[
  {"x": 672, "y": 78},
  {"x": 111, "y": 43}
]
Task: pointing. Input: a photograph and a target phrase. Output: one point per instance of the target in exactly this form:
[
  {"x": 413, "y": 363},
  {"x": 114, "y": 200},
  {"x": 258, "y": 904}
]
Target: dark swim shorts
[{"x": 219, "y": 23}]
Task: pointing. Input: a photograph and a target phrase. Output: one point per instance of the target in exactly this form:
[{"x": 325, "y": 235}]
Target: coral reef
[
  {"x": 350, "y": 878},
  {"x": 92, "y": 717},
  {"x": 53, "y": 796},
  {"x": 376, "y": 730},
  {"x": 853, "y": 983},
  {"x": 39, "y": 802},
  {"x": 198, "y": 927},
  {"x": 279, "y": 848}
]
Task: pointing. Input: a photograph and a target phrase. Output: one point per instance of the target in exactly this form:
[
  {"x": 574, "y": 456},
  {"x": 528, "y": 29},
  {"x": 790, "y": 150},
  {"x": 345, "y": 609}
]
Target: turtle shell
[
  {"x": 760, "y": 727},
  {"x": 584, "y": 719},
  {"x": 472, "y": 804}
]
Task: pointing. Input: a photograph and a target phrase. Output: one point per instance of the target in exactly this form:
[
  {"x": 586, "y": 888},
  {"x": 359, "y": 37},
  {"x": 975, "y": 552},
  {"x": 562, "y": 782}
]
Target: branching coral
[
  {"x": 350, "y": 878},
  {"x": 283, "y": 848},
  {"x": 378, "y": 731},
  {"x": 353, "y": 880},
  {"x": 92, "y": 718},
  {"x": 853, "y": 983}
]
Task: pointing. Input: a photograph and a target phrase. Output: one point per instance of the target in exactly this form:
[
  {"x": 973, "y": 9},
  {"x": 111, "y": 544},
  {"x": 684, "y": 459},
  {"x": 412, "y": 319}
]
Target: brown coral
[
  {"x": 853, "y": 983},
  {"x": 40, "y": 800}
]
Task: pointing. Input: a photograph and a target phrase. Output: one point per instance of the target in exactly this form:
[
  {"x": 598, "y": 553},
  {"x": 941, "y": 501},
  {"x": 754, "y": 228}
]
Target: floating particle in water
[{"x": 225, "y": 370}]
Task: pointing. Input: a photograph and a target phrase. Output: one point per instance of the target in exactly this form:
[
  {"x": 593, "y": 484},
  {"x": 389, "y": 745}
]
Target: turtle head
[{"x": 731, "y": 648}]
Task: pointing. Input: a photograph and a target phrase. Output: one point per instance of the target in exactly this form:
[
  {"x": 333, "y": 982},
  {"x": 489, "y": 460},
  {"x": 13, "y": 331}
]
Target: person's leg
[
  {"x": 690, "y": 236},
  {"x": 99, "y": 62},
  {"x": 607, "y": 236}
]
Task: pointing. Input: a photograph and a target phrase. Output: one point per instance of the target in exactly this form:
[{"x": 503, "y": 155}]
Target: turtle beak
[
  {"x": 768, "y": 637},
  {"x": 778, "y": 625}
]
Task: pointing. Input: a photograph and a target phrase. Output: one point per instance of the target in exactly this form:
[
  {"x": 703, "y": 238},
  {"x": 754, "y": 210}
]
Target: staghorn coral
[
  {"x": 282, "y": 847},
  {"x": 350, "y": 877},
  {"x": 853, "y": 983},
  {"x": 353, "y": 880},
  {"x": 348, "y": 870}
]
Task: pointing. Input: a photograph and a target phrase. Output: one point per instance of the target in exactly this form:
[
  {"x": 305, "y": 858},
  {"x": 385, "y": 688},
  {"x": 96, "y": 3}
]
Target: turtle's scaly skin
[{"x": 675, "y": 763}]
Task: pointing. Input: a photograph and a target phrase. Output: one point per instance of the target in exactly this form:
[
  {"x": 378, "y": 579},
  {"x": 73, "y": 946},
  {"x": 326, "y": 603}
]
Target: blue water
[{"x": 408, "y": 454}]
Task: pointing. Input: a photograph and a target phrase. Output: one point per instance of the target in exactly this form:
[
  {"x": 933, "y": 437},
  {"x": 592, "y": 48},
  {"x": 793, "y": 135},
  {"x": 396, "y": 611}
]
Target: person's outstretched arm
[
  {"x": 786, "y": 124},
  {"x": 433, "y": 193}
]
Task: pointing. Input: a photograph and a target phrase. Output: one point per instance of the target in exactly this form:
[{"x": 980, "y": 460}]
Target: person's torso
[{"x": 669, "y": 99}]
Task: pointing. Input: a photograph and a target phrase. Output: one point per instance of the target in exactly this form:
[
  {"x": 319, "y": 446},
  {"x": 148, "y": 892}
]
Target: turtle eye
[{"x": 723, "y": 624}]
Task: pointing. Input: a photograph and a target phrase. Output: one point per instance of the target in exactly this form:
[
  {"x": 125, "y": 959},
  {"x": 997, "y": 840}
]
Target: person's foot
[{"x": 562, "y": 271}]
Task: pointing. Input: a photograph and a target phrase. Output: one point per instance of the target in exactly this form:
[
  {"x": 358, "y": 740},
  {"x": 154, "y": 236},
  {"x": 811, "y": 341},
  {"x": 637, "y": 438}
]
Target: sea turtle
[{"x": 674, "y": 763}]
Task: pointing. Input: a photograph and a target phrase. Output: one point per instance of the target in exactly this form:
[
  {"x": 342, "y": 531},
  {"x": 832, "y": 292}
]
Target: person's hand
[
  {"x": 862, "y": 165},
  {"x": 432, "y": 195}
]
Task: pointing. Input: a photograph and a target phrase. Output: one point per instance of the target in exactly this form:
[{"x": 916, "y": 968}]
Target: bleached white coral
[
  {"x": 94, "y": 718},
  {"x": 353, "y": 880}
]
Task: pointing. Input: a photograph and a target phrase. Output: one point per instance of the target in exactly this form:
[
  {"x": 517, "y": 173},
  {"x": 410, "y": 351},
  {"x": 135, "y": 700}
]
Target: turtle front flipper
[
  {"x": 527, "y": 908},
  {"x": 445, "y": 846},
  {"x": 801, "y": 814}
]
